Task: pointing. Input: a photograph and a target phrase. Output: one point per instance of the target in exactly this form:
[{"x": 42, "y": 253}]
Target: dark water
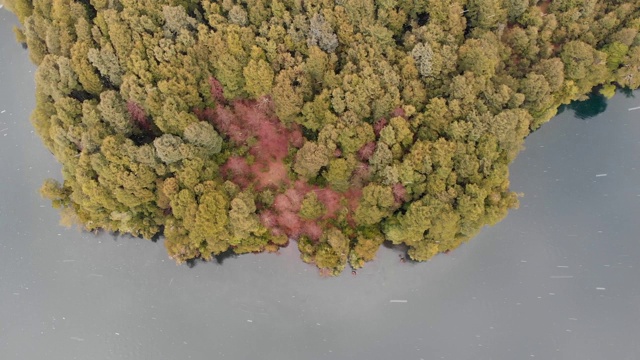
[
  {"x": 557, "y": 279},
  {"x": 594, "y": 105}
]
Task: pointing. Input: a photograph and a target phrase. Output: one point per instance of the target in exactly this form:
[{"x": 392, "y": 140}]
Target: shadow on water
[
  {"x": 401, "y": 250},
  {"x": 217, "y": 259},
  {"x": 191, "y": 263},
  {"x": 627, "y": 92},
  {"x": 220, "y": 258},
  {"x": 594, "y": 105}
]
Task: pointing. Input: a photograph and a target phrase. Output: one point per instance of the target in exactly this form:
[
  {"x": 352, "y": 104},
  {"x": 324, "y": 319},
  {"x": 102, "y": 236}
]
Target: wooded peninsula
[{"x": 241, "y": 125}]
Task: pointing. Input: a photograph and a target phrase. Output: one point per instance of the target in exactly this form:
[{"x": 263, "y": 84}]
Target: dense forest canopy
[{"x": 238, "y": 125}]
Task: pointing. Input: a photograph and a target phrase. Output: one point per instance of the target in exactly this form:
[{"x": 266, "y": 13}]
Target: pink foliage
[
  {"x": 399, "y": 193},
  {"x": 268, "y": 219},
  {"x": 199, "y": 114},
  {"x": 398, "y": 112},
  {"x": 290, "y": 222},
  {"x": 272, "y": 142},
  {"x": 353, "y": 196},
  {"x": 337, "y": 152},
  {"x": 207, "y": 114},
  {"x": 138, "y": 115},
  {"x": 276, "y": 231},
  {"x": 295, "y": 197},
  {"x": 331, "y": 201},
  {"x": 295, "y": 137},
  {"x": 270, "y": 175},
  {"x": 244, "y": 119},
  {"x": 379, "y": 125},
  {"x": 237, "y": 133},
  {"x": 251, "y": 116},
  {"x": 277, "y": 139},
  {"x": 223, "y": 119},
  {"x": 241, "y": 120},
  {"x": 303, "y": 187},
  {"x": 366, "y": 151},
  {"x": 217, "y": 91},
  {"x": 237, "y": 165},
  {"x": 237, "y": 169},
  {"x": 282, "y": 203},
  {"x": 291, "y": 200},
  {"x": 361, "y": 174},
  {"x": 271, "y": 135},
  {"x": 312, "y": 229},
  {"x": 265, "y": 104}
]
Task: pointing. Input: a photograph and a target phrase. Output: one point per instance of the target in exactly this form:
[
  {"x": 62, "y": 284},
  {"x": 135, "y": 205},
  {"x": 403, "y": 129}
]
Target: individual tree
[
  {"x": 310, "y": 159},
  {"x": 202, "y": 134},
  {"x": 321, "y": 34},
  {"x": 376, "y": 203},
  {"x": 168, "y": 148},
  {"x": 311, "y": 207}
]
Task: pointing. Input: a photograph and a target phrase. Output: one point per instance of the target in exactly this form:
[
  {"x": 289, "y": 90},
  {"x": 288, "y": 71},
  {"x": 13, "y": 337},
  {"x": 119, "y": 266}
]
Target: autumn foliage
[
  {"x": 271, "y": 145},
  {"x": 242, "y": 125}
]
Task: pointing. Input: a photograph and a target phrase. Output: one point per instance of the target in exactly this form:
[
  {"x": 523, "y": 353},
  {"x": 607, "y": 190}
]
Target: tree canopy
[{"x": 239, "y": 125}]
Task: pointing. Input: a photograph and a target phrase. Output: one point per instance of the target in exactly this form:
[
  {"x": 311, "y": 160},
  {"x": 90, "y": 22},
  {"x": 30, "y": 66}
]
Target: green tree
[
  {"x": 312, "y": 208},
  {"x": 479, "y": 56},
  {"x": 310, "y": 159},
  {"x": 578, "y": 58},
  {"x": 338, "y": 174},
  {"x": 168, "y": 148},
  {"x": 258, "y": 78},
  {"x": 114, "y": 111},
  {"x": 376, "y": 203},
  {"x": 204, "y": 135}
]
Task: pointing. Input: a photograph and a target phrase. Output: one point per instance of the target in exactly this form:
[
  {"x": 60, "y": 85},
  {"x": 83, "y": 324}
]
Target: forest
[{"x": 239, "y": 126}]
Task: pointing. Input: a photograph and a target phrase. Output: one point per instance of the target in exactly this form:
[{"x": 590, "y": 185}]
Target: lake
[{"x": 557, "y": 279}]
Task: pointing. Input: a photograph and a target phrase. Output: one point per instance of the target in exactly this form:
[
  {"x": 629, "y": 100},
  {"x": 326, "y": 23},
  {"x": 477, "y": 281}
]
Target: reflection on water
[{"x": 594, "y": 105}]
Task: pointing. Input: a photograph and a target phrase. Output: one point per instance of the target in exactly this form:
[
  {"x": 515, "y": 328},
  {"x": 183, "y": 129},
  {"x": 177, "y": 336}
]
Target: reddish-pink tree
[
  {"x": 399, "y": 193},
  {"x": 331, "y": 200},
  {"x": 312, "y": 229},
  {"x": 366, "y": 151},
  {"x": 238, "y": 133},
  {"x": 268, "y": 218},
  {"x": 290, "y": 222},
  {"x": 379, "y": 125},
  {"x": 217, "y": 91},
  {"x": 295, "y": 198},
  {"x": 361, "y": 175},
  {"x": 282, "y": 203},
  {"x": 138, "y": 116},
  {"x": 222, "y": 119},
  {"x": 237, "y": 170},
  {"x": 207, "y": 114},
  {"x": 398, "y": 112},
  {"x": 295, "y": 137}
]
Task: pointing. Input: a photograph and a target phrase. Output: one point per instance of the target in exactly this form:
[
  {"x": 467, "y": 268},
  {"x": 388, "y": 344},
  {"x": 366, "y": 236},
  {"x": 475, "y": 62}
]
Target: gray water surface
[{"x": 557, "y": 279}]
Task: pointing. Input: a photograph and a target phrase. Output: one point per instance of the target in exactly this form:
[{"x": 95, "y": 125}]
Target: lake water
[{"x": 557, "y": 279}]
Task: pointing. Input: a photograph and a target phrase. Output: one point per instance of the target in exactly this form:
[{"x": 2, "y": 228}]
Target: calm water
[{"x": 557, "y": 279}]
